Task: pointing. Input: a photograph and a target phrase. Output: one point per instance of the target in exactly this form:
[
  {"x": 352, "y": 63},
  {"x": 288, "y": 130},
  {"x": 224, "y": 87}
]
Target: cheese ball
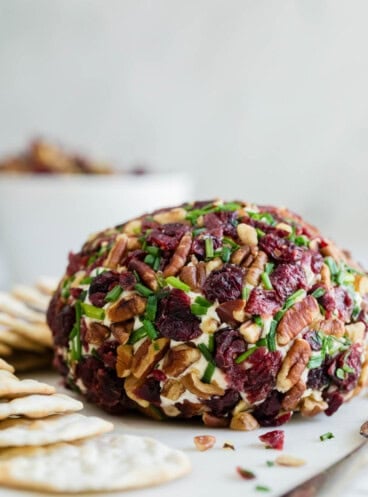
[{"x": 237, "y": 313}]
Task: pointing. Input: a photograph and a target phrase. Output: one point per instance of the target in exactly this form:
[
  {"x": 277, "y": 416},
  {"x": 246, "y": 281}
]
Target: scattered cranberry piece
[
  {"x": 167, "y": 236},
  {"x": 262, "y": 302},
  {"x": 273, "y": 439},
  {"x": 280, "y": 249}
]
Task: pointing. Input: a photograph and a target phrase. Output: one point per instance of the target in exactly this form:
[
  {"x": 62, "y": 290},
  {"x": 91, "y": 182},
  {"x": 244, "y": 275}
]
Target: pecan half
[
  {"x": 326, "y": 275},
  {"x": 117, "y": 251},
  {"x": 179, "y": 358},
  {"x": 293, "y": 365},
  {"x": 171, "y": 216},
  {"x": 96, "y": 333},
  {"x": 241, "y": 255},
  {"x": 130, "y": 386},
  {"x": 126, "y": 308},
  {"x": 172, "y": 389},
  {"x": 256, "y": 269},
  {"x": 247, "y": 234},
  {"x": 194, "y": 276},
  {"x": 124, "y": 360},
  {"x": 312, "y": 405},
  {"x": 355, "y": 332},
  {"x": 180, "y": 255},
  {"x": 295, "y": 319},
  {"x": 147, "y": 274},
  {"x": 291, "y": 400},
  {"x": 244, "y": 421},
  {"x": 122, "y": 331},
  {"x": 332, "y": 326},
  {"x": 204, "y": 442},
  {"x": 192, "y": 383},
  {"x": 232, "y": 311},
  {"x": 148, "y": 355}
]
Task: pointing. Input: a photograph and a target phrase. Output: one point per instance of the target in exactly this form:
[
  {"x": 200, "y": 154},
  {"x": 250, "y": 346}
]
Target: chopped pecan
[
  {"x": 355, "y": 331},
  {"x": 126, "y": 308},
  {"x": 241, "y": 254},
  {"x": 293, "y": 365},
  {"x": 133, "y": 243},
  {"x": 148, "y": 355},
  {"x": 130, "y": 386},
  {"x": 133, "y": 227},
  {"x": 256, "y": 269},
  {"x": 212, "y": 265},
  {"x": 326, "y": 275},
  {"x": 204, "y": 442},
  {"x": 291, "y": 400},
  {"x": 295, "y": 319},
  {"x": 247, "y": 234},
  {"x": 179, "y": 358},
  {"x": 194, "y": 276},
  {"x": 244, "y": 421},
  {"x": 285, "y": 460},
  {"x": 124, "y": 360},
  {"x": 332, "y": 326},
  {"x": 361, "y": 284},
  {"x": 232, "y": 311},
  {"x": 147, "y": 274},
  {"x": 214, "y": 422},
  {"x": 192, "y": 383},
  {"x": 117, "y": 251},
  {"x": 122, "y": 331},
  {"x": 241, "y": 406},
  {"x": 363, "y": 379},
  {"x": 209, "y": 324},
  {"x": 332, "y": 251},
  {"x": 179, "y": 257},
  {"x": 172, "y": 389},
  {"x": 96, "y": 333},
  {"x": 284, "y": 227},
  {"x": 250, "y": 331},
  {"x": 312, "y": 405},
  {"x": 171, "y": 216}
]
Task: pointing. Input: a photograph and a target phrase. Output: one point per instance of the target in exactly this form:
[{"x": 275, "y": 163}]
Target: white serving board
[{"x": 214, "y": 471}]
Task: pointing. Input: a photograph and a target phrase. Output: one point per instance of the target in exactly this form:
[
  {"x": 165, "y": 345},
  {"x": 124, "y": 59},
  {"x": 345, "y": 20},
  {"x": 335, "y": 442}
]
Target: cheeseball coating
[{"x": 238, "y": 313}]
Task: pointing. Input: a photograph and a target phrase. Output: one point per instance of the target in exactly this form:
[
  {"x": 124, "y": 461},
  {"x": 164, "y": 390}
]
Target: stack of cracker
[{"x": 25, "y": 339}]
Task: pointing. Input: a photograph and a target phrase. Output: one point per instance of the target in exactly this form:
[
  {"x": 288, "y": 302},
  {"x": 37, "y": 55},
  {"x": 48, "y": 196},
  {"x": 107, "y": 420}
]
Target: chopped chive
[
  {"x": 156, "y": 264},
  {"x": 279, "y": 315},
  {"x": 198, "y": 310},
  {"x": 151, "y": 308},
  {"x": 242, "y": 357},
  {"x": 86, "y": 280},
  {"x": 270, "y": 464},
  {"x": 258, "y": 320},
  {"x": 228, "y": 206},
  {"x": 326, "y": 436},
  {"x": 355, "y": 313},
  {"x": 202, "y": 301},
  {"x": 143, "y": 290},
  {"x": 225, "y": 253},
  {"x": 348, "y": 369},
  {"x": 230, "y": 242},
  {"x": 74, "y": 337},
  {"x": 208, "y": 373},
  {"x": 82, "y": 296},
  {"x": 198, "y": 231},
  {"x": 290, "y": 301},
  {"x": 266, "y": 281},
  {"x": 211, "y": 343},
  {"x": 262, "y": 488},
  {"x": 208, "y": 245},
  {"x": 265, "y": 217},
  {"x": 245, "y": 292},
  {"x": 137, "y": 335},
  {"x": 150, "y": 329},
  {"x": 149, "y": 259},
  {"x": 332, "y": 265},
  {"x": 176, "y": 283},
  {"x": 271, "y": 336},
  {"x": 315, "y": 361},
  {"x": 301, "y": 241},
  {"x": 114, "y": 294},
  {"x": 318, "y": 292},
  {"x": 155, "y": 251},
  {"x": 340, "y": 373},
  {"x": 269, "y": 267},
  {"x": 93, "y": 312},
  {"x": 205, "y": 352},
  {"x": 65, "y": 291},
  {"x": 260, "y": 233}
]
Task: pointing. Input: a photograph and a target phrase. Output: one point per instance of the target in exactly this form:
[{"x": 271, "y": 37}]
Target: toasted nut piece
[
  {"x": 192, "y": 383},
  {"x": 179, "y": 358},
  {"x": 96, "y": 333},
  {"x": 256, "y": 269},
  {"x": 117, "y": 251},
  {"x": 332, "y": 326},
  {"x": 171, "y": 411},
  {"x": 291, "y": 400},
  {"x": 363, "y": 379},
  {"x": 148, "y": 355},
  {"x": 204, "y": 442},
  {"x": 361, "y": 284},
  {"x": 250, "y": 331},
  {"x": 180, "y": 255},
  {"x": 285, "y": 460},
  {"x": 244, "y": 421},
  {"x": 133, "y": 243},
  {"x": 121, "y": 331},
  {"x": 241, "y": 406},
  {"x": 312, "y": 405},
  {"x": 209, "y": 325},
  {"x": 172, "y": 389},
  {"x": 130, "y": 385},
  {"x": 334, "y": 252},
  {"x": 293, "y": 365},
  {"x": 133, "y": 227},
  {"x": 355, "y": 332},
  {"x": 194, "y": 276},
  {"x": 124, "y": 360},
  {"x": 240, "y": 255},
  {"x": 214, "y": 422},
  {"x": 284, "y": 227},
  {"x": 247, "y": 234},
  {"x": 228, "y": 446},
  {"x": 215, "y": 263},
  {"x": 326, "y": 275},
  {"x": 147, "y": 274},
  {"x": 295, "y": 319},
  {"x": 232, "y": 311},
  {"x": 126, "y": 308},
  {"x": 172, "y": 216}
]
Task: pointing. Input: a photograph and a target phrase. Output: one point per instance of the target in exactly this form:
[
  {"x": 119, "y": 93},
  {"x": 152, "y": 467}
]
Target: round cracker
[
  {"x": 40, "y": 332},
  {"x": 47, "y": 285},
  {"x": 39, "y": 406},
  {"x": 19, "y": 342},
  {"x": 12, "y": 387},
  {"x": 12, "y": 306},
  {"x": 6, "y": 366},
  {"x": 32, "y": 297},
  {"x": 106, "y": 463}
]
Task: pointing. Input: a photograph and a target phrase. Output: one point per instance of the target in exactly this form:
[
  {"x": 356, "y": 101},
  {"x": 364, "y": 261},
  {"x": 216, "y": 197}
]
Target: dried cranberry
[
  {"x": 127, "y": 280},
  {"x": 101, "y": 285},
  {"x": 259, "y": 378},
  {"x": 273, "y": 439},
  {"x": 175, "y": 319},
  {"x": 220, "y": 406},
  {"x": 338, "y": 299},
  {"x": 76, "y": 293},
  {"x": 76, "y": 262},
  {"x": 167, "y": 236},
  {"x": 280, "y": 249},
  {"x": 266, "y": 412},
  {"x": 158, "y": 375},
  {"x": 61, "y": 321},
  {"x": 262, "y": 302},
  {"x": 221, "y": 223},
  {"x": 334, "y": 400},
  {"x": 229, "y": 345},
  {"x": 287, "y": 278},
  {"x": 313, "y": 339},
  {"x": 199, "y": 244},
  {"x": 224, "y": 284},
  {"x": 107, "y": 353},
  {"x": 149, "y": 390},
  {"x": 316, "y": 261},
  {"x": 349, "y": 365}
]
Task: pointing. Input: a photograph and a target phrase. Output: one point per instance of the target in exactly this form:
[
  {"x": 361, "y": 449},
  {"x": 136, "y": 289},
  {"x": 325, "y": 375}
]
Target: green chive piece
[
  {"x": 74, "y": 337},
  {"x": 242, "y": 357},
  {"x": 198, "y": 310},
  {"x": 355, "y": 313},
  {"x": 340, "y": 373},
  {"x": 143, "y": 290},
  {"x": 348, "y": 369},
  {"x": 265, "y": 217},
  {"x": 301, "y": 241},
  {"x": 93, "y": 312},
  {"x": 202, "y": 301},
  {"x": 149, "y": 259},
  {"x": 86, "y": 280},
  {"x": 211, "y": 343},
  {"x": 198, "y": 231},
  {"x": 151, "y": 308},
  {"x": 258, "y": 320},
  {"x": 137, "y": 335},
  {"x": 65, "y": 291},
  {"x": 82, "y": 296},
  {"x": 155, "y": 251},
  {"x": 156, "y": 264},
  {"x": 230, "y": 242},
  {"x": 225, "y": 253},
  {"x": 269, "y": 267},
  {"x": 245, "y": 292},
  {"x": 150, "y": 329},
  {"x": 208, "y": 245},
  {"x": 290, "y": 301},
  {"x": 205, "y": 352},
  {"x": 315, "y": 361},
  {"x": 266, "y": 281},
  {"x": 270, "y": 464},
  {"x": 326, "y": 436},
  {"x": 176, "y": 283},
  {"x": 208, "y": 373},
  {"x": 271, "y": 337},
  {"x": 260, "y": 233},
  {"x": 279, "y": 315},
  {"x": 262, "y": 488},
  {"x": 332, "y": 265},
  {"x": 114, "y": 294},
  {"x": 229, "y": 206},
  {"x": 318, "y": 292}
]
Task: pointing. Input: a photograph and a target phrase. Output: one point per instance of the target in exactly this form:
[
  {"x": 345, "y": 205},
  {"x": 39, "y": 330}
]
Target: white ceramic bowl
[{"x": 42, "y": 218}]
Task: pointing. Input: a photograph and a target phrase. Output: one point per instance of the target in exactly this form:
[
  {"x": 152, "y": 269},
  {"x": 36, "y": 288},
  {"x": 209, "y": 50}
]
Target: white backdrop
[{"x": 264, "y": 100}]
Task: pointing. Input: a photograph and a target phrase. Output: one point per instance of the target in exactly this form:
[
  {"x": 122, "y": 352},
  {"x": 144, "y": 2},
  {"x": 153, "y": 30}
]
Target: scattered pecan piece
[
  {"x": 293, "y": 365},
  {"x": 326, "y": 275},
  {"x": 298, "y": 317},
  {"x": 172, "y": 389},
  {"x": 117, "y": 251},
  {"x": 122, "y": 331},
  {"x": 171, "y": 216},
  {"x": 250, "y": 331},
  {"x": 243, "y": 421},
  {"x": 291, "y": 400},
  {"x": 179, "y": 358},
  {"x": 194, "y": 276},
  {"x": 179, "y": 257},
  {"x": 285, "y": 460},
  {"x": 204, "y": 442},
  {"x": 148, "y": 355},
  {"x": 192, "y": 383},
  {"x": 241, "y": 255},
  {"x": 147, "y": 274},
  {"x": 331, "y": 326},
  {"x": 126, "y": 308},
  {"x": 131, "y": 384},
  {"x": 96, "y": 333},
  {"x": 247, "y": 234},
  {"x": 355, "y": 332},
  {"x": 361, "y": 284},
  {"x": 124, "y": 360},
  {"x": 256, "y": 269},
  {"x": 214, "y": 422},
  {"x": 232, "y": 311},
  {"x": 310, "y": 406},
  {"x": 228, "y": 446}
]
